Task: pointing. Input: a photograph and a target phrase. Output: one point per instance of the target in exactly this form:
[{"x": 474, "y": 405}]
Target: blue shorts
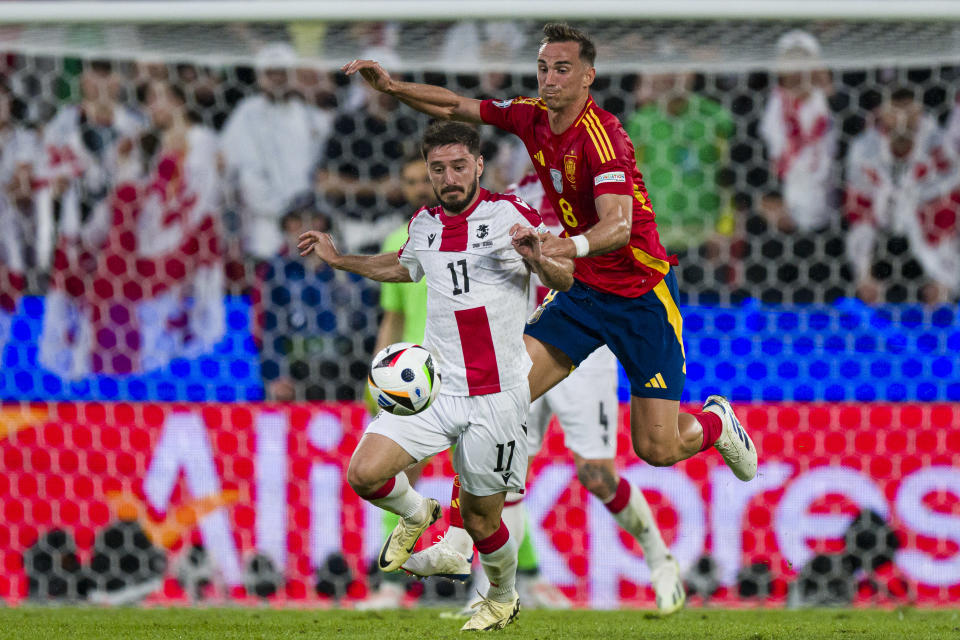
[{"x": 645, "y": 333}]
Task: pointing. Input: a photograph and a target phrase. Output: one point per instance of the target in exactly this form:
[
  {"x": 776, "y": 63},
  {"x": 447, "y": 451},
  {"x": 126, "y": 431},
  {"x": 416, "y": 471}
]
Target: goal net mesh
[{"x": 155, "y": 177}]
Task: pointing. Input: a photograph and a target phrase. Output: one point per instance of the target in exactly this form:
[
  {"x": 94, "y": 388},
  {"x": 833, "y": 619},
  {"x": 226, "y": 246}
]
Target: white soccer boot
[
  {"x": 439, "y": 559},
  {"x": 492, "y": 615},
  {"x": 668, "y": 587},
  {"x": 401, "y": 541},
  {"x": 734, "y": 444}
]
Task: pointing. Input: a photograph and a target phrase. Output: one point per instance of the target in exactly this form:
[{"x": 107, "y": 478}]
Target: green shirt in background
[
  {"x": 679, "y": 157},
  {"x": 408, "y": 298}
]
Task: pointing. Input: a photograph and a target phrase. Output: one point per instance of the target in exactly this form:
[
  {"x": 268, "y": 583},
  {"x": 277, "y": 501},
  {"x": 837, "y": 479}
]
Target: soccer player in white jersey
[
  {"x": 586, "y": 406},
  {"x": 476, "y": 251}
]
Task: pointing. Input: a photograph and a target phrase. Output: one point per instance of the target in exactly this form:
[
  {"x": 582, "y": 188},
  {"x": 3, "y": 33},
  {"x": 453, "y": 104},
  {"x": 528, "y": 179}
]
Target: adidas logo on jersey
[{"x": 656, "y": 382}]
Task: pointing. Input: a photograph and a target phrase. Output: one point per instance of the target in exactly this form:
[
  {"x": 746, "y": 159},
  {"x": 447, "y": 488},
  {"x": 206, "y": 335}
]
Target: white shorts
[
  {"x": 491, "y": 453},
  {"x": 586, "y": 405}
]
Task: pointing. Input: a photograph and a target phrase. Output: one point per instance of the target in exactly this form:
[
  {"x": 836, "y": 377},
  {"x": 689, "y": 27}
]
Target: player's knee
[
  {"x": 363, "y": 478},
  {"x": 656, "y": 454}
]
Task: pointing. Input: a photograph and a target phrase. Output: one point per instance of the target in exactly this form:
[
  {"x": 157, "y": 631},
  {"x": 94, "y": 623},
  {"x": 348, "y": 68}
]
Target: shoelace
[{"x": 484, "y": 601}]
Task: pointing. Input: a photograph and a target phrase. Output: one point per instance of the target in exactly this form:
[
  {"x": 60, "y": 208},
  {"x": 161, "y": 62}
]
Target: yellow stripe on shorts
[{"x": 673, "y": 315}]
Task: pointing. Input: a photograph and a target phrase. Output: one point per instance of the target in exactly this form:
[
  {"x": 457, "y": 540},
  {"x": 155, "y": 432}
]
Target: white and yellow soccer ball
[{"x": 403, "y": 379}]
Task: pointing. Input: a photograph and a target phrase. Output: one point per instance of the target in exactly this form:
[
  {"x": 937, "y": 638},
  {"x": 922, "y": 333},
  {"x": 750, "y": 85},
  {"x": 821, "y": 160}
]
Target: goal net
[{"x": 161, "y": 339}]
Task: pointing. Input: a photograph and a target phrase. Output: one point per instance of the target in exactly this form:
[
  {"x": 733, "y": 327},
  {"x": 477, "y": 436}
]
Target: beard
[{"x": 454, "y": 204}]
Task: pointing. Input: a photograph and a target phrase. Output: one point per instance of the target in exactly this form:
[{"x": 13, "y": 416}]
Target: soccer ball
[{"x": 403, "y": 380}]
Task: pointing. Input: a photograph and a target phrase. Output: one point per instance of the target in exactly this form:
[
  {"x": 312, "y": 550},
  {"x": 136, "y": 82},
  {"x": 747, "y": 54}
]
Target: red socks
[
  {"x": 494, "y": 541},
  {"x": 456, "y": 520},
  {"x": 383, "y": 491},
  {"x": 712, "y": 428},
  {"x": 620, "y": 499}
]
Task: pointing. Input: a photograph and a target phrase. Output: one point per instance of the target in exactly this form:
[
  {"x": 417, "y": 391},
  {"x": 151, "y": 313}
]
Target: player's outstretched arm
[
  {"x": 555, "y": 273},
  {"x": 611, "y": 231},
  {"x": 436, "y": 102},
  {"x": 384, "y": 267}
]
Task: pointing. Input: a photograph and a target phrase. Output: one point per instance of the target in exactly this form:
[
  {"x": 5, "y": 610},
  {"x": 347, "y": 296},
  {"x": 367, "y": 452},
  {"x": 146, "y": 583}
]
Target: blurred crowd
[{"x": 135, "y": 195}]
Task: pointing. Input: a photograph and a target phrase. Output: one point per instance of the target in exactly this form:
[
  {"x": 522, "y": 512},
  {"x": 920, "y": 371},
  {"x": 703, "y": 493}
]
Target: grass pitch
[{"x": 29, "y": 623}]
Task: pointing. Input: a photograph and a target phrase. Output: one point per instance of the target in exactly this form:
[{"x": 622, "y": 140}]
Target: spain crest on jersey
[
  {"x": 557, "y": 180},
  {"x": 570, "y": 169}
]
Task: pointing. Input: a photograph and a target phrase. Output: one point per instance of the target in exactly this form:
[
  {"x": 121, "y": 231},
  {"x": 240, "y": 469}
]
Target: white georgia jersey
[
  {"x": 530, "y": 190},
  {"x": 477, "y": 291}
]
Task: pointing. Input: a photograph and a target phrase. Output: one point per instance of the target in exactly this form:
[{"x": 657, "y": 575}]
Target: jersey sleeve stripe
[
  {"x": 531, "y": 215},
  {"x": 603, "y": 133},
  {"x": 649, "y": 261},
  {"x": 596, "y": 143}
]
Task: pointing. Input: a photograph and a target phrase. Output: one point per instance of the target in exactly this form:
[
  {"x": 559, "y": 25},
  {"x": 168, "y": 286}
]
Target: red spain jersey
[{"x": 592, "y": 157}]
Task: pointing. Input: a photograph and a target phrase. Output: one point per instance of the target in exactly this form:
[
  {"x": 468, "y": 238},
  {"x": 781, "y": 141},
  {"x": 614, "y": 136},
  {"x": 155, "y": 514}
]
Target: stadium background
[{"x": 202, "y": 391}]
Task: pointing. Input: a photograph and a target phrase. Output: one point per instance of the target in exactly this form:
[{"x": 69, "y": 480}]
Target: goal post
[
  {"x": 77, "y": 11},
  {"x": 852, "y": 32}
]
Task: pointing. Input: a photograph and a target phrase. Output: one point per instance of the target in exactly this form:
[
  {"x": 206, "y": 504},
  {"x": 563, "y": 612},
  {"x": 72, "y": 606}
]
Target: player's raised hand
[
  {"x": 526, "y": 242},
  {"x": 321, "y": 244},
  {"x": 371, "y": 71},
  {"x": 553, "y": 247}
]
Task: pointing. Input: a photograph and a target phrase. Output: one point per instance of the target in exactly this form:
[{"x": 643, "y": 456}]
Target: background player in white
[
  {"x": 586, "y": 405},
  {"x": 476, "y": 251}
]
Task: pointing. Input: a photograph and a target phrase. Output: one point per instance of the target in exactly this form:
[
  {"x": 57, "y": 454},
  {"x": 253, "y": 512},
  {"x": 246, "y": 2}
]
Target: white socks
[
  {"x": 401, "y": 498},
  {"x": 498, "y": 557},
  {"x": 637, "y": 519}
]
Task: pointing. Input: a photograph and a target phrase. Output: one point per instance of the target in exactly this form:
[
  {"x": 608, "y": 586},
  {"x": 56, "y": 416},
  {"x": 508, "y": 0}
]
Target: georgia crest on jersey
[{"x": 477, "y": 291}]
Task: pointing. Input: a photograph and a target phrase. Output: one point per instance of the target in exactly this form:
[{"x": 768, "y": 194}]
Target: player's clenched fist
[
  {"x": 320, "y": 244},
  {"x": 371, "y": 71},
  {"x": 526, "y": 242}
]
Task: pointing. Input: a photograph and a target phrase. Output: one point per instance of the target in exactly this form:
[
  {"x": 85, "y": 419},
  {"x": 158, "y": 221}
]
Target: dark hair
[
  {"x": 562, "y": 32},
  {"x": 903, "y": 94},
  {"x": 441, "y": 133},
  {"x": 143, "y": 90},
  {"x": 100, "y": 65}
]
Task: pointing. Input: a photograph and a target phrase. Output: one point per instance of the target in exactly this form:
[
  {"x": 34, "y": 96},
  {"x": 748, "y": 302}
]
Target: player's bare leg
[
  {"x": 630, "y": 509},
  {"x": 376, "y": 474},
  {"x": 391, "y": 591},
  {"x": 498, "y": 556},
  {"x": 663, "y": 436},
  {"x": 550, "y": 366},
  {"x": 376, "y": 460}
]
